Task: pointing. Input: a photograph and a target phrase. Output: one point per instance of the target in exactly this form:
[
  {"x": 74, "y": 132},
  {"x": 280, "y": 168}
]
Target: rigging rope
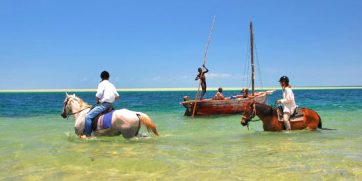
[
  {"x": 258, "y": 67},
  {"x": 247, "y": 71},
  {"x": 246, "y": 74}
]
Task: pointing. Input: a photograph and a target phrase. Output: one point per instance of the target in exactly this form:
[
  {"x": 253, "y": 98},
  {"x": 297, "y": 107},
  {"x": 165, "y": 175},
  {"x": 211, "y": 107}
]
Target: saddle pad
[
  {"x": 298, "y": 115},
  {"x": 296, "y": 119},
  {"x": 105, "y": 121}
]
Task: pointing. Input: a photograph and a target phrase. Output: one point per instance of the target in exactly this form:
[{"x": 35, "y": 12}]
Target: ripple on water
[{"x": 39, "y": 145}]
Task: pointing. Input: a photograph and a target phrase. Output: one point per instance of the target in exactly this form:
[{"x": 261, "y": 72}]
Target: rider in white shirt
[
  {"x": 288, "y": 101},
  {"x": 106, "y": 95},
  {"x": 106, "y": 92}
]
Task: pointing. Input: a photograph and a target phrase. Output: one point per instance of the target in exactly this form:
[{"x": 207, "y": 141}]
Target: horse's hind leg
[{"x": 312, "y": 123}]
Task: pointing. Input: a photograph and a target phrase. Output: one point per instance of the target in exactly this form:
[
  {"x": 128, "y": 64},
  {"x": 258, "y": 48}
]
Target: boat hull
[{"x": 215, "y": 107}]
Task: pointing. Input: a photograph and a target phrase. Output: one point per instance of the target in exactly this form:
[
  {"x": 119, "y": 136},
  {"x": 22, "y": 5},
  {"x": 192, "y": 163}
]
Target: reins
[
  {"x": 73, "y": 113},
  {"x": 252, "y": 115}
]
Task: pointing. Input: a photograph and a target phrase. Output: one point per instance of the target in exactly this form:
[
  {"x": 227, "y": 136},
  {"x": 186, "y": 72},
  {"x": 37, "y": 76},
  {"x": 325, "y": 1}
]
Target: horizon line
[{"x": 176, "y": 89}]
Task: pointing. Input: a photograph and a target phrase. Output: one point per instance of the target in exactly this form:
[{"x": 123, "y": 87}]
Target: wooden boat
[
  {"x": 230, "y": 105},
  {"x": 226, "y": 106}
]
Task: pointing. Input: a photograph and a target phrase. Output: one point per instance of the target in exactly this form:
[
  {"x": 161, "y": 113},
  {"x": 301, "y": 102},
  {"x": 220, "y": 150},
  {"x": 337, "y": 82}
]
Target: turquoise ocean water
[{"x": 37, "y": 144}]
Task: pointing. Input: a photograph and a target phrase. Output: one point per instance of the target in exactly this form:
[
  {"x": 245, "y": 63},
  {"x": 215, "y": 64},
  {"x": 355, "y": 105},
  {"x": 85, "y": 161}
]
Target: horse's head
[
  {"x": 68, "y": 105},
  {"x": 248, "y": 114},
  {"x": 74, "y": 105}
]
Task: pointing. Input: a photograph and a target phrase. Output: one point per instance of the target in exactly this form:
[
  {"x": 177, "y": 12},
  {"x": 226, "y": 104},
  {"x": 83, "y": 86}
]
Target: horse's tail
[
  {"x": 320, "y": 124},
  {"x": 147, "y": 121}
]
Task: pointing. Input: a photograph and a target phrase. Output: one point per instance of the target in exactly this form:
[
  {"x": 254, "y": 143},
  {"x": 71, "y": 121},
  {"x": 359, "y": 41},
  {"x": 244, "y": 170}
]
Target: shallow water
[{"x": 37, "y": 144}]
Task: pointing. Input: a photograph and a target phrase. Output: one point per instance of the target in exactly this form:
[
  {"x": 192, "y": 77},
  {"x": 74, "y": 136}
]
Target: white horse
[{"x": 124, "y": 121}]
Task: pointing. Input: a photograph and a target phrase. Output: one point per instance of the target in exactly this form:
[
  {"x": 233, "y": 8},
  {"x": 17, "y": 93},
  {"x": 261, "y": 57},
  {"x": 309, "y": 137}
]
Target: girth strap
[{"x": 139, "y": 123}]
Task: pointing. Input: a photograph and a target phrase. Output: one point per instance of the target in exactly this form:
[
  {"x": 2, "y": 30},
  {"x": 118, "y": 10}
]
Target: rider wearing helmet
[
  {"x": 288, "y": 101},
  {"x": 106, "y": 95}
]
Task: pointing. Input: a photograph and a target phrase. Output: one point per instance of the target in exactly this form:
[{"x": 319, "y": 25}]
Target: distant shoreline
[{"x": 177, "y": 89}]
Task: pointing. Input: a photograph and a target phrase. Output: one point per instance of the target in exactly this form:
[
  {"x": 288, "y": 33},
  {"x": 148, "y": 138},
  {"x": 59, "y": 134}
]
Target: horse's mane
[
  {"x": 81, "y": 102},
  {"x": 265, "y": 109}
]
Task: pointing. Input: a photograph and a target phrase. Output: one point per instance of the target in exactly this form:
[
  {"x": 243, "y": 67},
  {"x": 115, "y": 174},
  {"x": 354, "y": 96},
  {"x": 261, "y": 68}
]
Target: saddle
[
  {"x": 101, "y": 117},
  {"x": 296, "y": 116}
]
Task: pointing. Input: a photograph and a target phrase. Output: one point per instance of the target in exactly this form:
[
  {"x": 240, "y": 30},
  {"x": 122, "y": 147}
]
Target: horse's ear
[
  {"x": 66, "y": 94},
  {"x": 74, "y": 95}
]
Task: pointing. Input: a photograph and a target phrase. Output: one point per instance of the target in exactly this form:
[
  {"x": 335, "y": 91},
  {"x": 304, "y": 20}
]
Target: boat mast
[
  {"x": 206, "y": 49},
  {"x": 252, "y": 57}
]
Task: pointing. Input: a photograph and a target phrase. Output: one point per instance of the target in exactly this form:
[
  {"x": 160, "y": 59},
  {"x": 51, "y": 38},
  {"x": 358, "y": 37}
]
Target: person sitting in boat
[
  {"x": 288, "y": 101},
  {"x": 106, "y": 95},
  {"x": 219, "y": 95},
  {"x": 201, "y": 76}
]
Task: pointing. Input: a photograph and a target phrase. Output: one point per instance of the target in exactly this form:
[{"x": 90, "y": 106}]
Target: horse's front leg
[{"x": 271, "y": 123}]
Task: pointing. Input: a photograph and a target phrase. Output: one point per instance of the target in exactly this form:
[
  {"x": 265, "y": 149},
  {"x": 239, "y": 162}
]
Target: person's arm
[
  {"x": 288, "y": 97},
  {"x": 207, "y": 70},
  {"x": 115, "y": 94},
  {"x": 222, "y": 96},
  {"x": 99, "y": 93},
  {"x": 197, "y": 77}
]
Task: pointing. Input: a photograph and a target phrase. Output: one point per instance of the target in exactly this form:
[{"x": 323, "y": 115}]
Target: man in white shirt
[
  {"x": 106, "y": 95},
  {"x": 288, "y": 101}
]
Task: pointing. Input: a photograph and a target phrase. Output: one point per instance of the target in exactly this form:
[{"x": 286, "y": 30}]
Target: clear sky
[{"x": 152, "y": 43}]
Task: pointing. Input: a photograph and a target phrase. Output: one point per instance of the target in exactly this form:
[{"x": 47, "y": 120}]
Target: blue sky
[{"x": 66, "y": 44}]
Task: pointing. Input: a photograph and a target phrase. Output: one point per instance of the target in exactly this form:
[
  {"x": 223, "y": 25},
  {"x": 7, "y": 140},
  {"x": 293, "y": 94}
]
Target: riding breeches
[{"x": 286, "y": 117}]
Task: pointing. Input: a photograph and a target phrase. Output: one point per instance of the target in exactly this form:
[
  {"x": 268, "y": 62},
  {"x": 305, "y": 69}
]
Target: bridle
[
  {"x": 71, "y": 113},
  {"x": 252, "y": 115}
]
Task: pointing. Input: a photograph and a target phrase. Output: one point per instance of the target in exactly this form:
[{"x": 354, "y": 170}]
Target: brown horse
[{"x": 269, "y": 116}]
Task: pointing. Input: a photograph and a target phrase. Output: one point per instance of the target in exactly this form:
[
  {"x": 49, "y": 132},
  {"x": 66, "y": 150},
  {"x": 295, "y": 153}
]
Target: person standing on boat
[
  {"x": 288, "y": 101},
  {"x": 201, "y": 76},
  {"x": 106, "y": 95}
]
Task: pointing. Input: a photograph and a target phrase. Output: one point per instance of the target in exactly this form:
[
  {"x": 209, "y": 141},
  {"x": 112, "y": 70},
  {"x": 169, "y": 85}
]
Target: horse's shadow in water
[{"x": 260, "y": 132}]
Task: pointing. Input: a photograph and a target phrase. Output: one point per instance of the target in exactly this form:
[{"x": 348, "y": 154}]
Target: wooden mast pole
[
  {"x": 252, "y": 57},
  {"x": 204, "y": 62}
]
